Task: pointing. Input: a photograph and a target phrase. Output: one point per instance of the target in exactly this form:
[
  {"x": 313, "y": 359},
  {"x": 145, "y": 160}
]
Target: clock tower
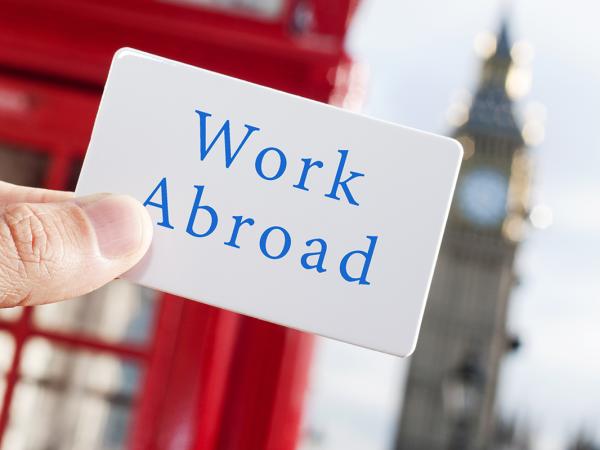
[{"x": 451, "y": 383}]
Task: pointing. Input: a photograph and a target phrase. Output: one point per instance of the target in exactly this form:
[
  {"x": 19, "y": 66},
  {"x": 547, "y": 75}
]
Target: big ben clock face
[{"x": 482, "y": 195}]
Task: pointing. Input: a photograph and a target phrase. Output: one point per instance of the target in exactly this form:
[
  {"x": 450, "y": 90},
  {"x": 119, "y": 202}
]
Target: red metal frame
[
  {"x": 214, "y": 380},
  {"x": 80, "y": 46}
]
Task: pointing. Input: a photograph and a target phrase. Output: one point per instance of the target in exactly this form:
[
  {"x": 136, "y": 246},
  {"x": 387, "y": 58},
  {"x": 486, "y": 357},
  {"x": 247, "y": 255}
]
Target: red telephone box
[{"x": 127, "y": 367}]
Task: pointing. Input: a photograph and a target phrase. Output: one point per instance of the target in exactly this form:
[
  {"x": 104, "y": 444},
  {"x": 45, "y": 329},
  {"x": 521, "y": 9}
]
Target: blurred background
[{"x": 509, "y": 351}]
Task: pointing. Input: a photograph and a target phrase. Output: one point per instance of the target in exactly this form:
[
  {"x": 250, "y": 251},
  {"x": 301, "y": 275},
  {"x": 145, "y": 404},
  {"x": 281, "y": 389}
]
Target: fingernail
[{"x": 120, "y": 223}]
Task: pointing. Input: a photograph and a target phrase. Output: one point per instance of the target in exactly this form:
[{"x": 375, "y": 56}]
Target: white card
[{"x": 274, "y": 206}]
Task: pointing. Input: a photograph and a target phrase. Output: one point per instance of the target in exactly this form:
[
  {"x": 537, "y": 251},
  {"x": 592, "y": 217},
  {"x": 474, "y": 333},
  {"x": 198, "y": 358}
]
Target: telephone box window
[
  {"x": 93, "y": 391},
  {"x": 10, "y": 314},
  {"x": 19, "y": 166},
  {"x": 7, "y": 349},
  {"x": 7, "y": 345},
  {"x": 119, "y": 312}
]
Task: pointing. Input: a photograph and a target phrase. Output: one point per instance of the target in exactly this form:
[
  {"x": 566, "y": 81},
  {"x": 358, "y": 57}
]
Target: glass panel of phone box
[{"x": 68, "y": 397}]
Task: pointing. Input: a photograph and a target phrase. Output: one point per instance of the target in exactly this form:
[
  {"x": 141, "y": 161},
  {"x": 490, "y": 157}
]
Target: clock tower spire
[
  {"x": 491, "y": 111},
  {"x": 451, "y": 384},
  {"x": 492, "y": 192}
]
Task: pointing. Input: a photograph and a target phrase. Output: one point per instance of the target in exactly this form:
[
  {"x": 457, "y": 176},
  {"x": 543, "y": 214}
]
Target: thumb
[{"x": 54, "y": 251}]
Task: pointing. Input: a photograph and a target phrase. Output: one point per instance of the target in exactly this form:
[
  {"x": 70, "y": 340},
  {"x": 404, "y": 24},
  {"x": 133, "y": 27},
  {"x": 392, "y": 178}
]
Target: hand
[{"x": 54, "y": 246}]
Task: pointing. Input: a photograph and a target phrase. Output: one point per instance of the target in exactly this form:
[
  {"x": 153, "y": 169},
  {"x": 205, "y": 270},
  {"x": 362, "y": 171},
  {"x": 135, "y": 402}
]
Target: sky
[{"x": 420, "y": 58}]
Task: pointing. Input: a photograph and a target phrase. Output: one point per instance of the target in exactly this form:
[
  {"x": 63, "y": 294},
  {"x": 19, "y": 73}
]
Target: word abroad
[{"x": 313, "y": 259}]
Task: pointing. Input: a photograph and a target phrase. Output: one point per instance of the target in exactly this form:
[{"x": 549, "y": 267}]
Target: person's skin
[{"x": 54, "y": 247}]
